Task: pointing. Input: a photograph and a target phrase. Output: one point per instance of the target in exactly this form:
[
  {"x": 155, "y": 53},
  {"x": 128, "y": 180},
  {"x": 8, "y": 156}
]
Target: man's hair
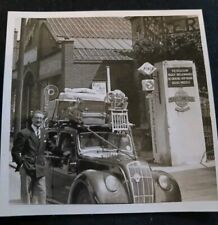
[{"x": 37, "y": 112}]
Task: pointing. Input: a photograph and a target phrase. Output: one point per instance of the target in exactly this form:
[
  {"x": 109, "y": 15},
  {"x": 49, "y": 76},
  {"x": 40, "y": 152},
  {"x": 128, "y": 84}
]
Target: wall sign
[
  {"x": 180, "y": 77},
  {"x": 181, "y": 99},
  {"x": 99, "y": 86}
]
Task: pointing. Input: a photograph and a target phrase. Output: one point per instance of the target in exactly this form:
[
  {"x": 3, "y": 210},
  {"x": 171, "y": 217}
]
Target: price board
[{"x": 180, "y": 77}]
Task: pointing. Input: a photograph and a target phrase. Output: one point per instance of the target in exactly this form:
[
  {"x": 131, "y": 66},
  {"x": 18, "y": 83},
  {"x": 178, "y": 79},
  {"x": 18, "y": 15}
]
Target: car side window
[
  {"x": 51, "y": 141},
  {"x": 67, "y": 147}
]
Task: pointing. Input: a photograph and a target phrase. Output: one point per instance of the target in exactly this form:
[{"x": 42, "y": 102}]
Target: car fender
[
  {"x": 161, "y": 195},
  {"x": 94, "y": 181}
]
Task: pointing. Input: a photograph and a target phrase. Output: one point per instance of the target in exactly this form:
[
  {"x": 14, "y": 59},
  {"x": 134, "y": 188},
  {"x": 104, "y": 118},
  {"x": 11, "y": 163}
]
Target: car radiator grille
[{"x": 141, "y": 182}]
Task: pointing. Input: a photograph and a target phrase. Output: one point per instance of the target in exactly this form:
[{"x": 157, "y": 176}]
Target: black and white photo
[{"x": 107, "y": 112}]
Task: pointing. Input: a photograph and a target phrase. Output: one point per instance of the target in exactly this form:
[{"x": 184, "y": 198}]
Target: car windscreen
[{"x": 104, "y": 141}]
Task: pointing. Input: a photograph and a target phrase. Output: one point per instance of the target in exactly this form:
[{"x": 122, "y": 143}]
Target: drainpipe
[
  {"x": 108, "y": 79},
  {"x": 19, "y": 86}
]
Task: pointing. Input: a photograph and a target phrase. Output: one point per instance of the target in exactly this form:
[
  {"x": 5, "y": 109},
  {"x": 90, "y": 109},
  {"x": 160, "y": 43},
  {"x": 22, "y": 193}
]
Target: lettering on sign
[
  {"x": 180, "y": 77},
  {"x": 155, "y": 28},
  {"x": 183, "y": 25},
  {"x": 99, "y": 86},
  {"x": 181, "y": 99}
]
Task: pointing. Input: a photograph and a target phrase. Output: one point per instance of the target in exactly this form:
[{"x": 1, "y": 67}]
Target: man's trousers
[{"x": 33, "y": 190}]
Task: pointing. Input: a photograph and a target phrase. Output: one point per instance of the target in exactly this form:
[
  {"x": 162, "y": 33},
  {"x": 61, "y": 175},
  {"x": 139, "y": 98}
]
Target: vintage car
[{"x": 93, "y": 163}]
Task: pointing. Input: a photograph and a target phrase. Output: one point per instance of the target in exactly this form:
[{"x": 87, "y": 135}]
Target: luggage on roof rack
[{"x": 86, "y": 106}]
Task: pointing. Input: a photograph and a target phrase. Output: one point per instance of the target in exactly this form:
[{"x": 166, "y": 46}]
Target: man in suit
[{"x": 28, "y": 153}]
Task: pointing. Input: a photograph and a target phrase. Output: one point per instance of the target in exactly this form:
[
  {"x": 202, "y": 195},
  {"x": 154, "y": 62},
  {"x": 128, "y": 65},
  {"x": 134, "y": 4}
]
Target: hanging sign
[
  {"x": 146, "y": 69},
  {"x": 148, "y": 85}
]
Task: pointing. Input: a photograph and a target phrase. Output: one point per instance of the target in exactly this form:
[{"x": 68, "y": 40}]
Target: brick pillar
[{"x": 67, "y": 64}]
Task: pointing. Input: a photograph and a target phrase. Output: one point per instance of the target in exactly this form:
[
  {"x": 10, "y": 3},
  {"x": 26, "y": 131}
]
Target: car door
[
  {"x": 51, "y": 144},
  {"x": 62, "y": 175}
]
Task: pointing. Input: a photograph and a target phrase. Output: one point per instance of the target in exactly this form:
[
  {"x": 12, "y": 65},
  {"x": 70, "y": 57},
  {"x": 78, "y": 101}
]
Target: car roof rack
[{"x": 85, "y": 107}]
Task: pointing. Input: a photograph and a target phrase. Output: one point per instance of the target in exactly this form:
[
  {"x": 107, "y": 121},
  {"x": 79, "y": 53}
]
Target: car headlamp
[
  {"x": 111, "y": 183},
  {"x": 164, "y": 182}
]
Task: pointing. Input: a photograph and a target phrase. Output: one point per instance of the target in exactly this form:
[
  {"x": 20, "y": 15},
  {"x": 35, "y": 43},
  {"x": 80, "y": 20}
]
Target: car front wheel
[{"x": 84, "y": 197}]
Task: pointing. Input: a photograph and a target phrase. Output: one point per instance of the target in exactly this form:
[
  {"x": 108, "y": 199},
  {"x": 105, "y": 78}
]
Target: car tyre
[{"x": 84, "y": 197}]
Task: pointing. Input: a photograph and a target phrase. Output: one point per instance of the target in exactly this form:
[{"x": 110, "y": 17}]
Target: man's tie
[{"x": 38, "y": 133}]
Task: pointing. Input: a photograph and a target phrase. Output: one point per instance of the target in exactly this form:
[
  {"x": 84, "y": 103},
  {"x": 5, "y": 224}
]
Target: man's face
[{"x": 37, "y": 119}]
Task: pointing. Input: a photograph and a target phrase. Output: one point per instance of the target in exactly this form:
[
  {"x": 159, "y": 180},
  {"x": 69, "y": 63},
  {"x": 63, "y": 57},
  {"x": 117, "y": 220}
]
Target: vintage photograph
[{"x": 108, "y": 108}]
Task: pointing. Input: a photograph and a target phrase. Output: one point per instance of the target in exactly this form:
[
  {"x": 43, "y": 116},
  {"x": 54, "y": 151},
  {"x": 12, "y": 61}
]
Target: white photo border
[{"x": 7, "y": 209}]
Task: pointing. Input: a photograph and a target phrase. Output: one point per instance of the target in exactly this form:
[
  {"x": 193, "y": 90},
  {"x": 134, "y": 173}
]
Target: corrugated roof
[
  {"x": 99, "y": 43},
  {"x": 90, "y": 27},
  {"x": 82, "y": 54},
  {"x": 95, "y": 38}
]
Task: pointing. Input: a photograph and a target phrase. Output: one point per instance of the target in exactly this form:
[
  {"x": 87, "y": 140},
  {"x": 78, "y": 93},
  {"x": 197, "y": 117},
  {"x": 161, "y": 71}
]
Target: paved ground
[
  {"x": 196, "y": 183},
  {"x": 14, "y": 187}
]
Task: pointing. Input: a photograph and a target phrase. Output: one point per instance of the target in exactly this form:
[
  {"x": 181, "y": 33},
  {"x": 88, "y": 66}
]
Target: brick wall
[
  {"x": 47, "y": 45},
  {"x": 67, "y": 63},
  {"x": 76, "y": 75},
  {"x": 82, "y": 75}
]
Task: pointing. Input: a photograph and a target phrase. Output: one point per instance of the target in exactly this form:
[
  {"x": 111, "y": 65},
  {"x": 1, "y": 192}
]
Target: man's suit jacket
[{"x": 29, "y": 151}]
